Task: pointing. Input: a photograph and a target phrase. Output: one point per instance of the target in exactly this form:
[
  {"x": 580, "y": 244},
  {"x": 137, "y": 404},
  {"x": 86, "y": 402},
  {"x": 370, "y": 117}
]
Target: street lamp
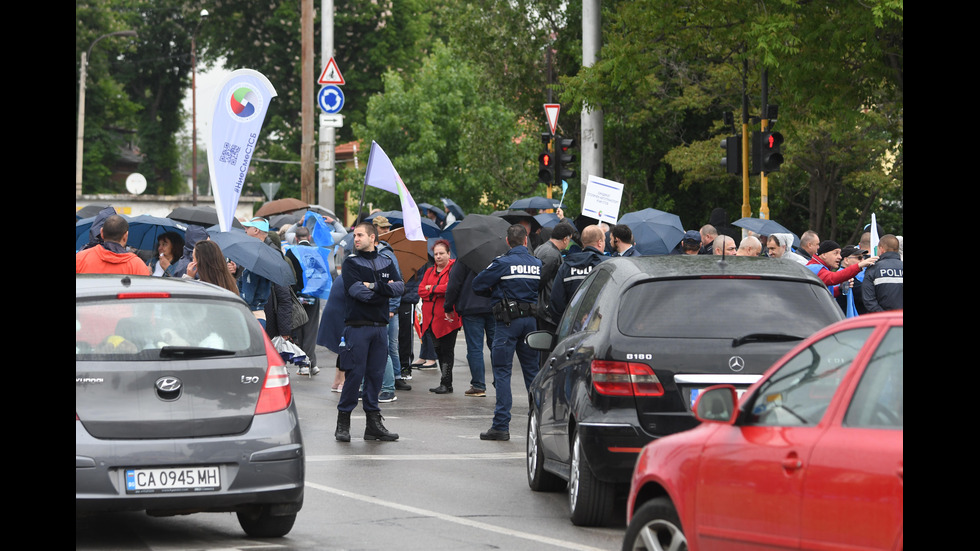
[
  {"x": 81, "y": 109},
  {"x": 204, "y": 13}
]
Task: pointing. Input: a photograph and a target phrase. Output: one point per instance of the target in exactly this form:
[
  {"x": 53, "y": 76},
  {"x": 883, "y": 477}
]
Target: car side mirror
[
  {"x": 540, "y": 340},
  {"x": 717, "y": 404}
]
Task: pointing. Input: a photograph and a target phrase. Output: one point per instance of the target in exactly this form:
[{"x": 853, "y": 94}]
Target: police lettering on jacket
[{"x": 514, "y": 275}]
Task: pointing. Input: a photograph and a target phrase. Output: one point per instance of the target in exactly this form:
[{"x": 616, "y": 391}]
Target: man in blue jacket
[
  {"x": 512, "y": 280},
  {"x": 370, "y": 280}
]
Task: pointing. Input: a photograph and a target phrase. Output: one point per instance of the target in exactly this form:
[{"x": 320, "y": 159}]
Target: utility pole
[
  {"x": 328, "y": 136},
  {"x": 592, "y": 121},
  {"x": 746, "y": 206},
  {"x": 307, "y": 191}
]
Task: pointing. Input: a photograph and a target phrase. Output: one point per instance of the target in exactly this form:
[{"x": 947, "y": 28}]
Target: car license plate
[
  {"x": 695, "y": 392},
  {"x": 175, "y": 479}
]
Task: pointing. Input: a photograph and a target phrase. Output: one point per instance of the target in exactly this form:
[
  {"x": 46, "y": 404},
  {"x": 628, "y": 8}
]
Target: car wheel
[
  {"x": 538, "y": 479},
  {"x": 589, "y": 498},
  {"x": 655, "y": 527},
  {"x": 258, "y": 523}
]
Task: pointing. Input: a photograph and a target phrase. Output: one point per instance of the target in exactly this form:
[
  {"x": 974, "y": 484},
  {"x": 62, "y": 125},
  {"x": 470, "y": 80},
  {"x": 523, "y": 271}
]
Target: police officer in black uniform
[
  {"x": 576, "y": 268},
  {"x": 512, "y": 280}
]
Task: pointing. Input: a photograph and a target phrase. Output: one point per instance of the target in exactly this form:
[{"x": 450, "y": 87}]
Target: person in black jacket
[
  {"x": 576, "y": 268},
  {"x": 369, "y": 281},
  {"x": 478, "y": 322},
  {"x": 883, "y": 287}
]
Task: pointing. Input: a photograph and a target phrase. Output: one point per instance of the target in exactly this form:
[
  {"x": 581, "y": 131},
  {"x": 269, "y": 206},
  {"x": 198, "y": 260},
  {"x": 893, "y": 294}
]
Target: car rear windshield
[
  {"x": 142, "y": 328},
  {"x": 725, "y": 308}
]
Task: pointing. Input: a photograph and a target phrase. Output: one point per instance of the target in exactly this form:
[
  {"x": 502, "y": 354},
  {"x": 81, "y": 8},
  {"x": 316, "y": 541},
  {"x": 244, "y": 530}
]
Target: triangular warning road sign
[
  {"x": 551, "y": 111},
  {"x": 331, "y": 74}
]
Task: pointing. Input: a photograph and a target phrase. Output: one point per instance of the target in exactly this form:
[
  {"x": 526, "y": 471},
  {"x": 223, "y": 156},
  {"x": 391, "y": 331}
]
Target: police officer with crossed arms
[{"x": 512, "y": 280}]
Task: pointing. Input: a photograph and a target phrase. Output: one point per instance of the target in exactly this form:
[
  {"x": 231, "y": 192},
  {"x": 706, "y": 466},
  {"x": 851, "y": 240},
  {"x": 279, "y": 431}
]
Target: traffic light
[
  {"x": 766, "y": 154},
  {"x": 565, "y": 159},
  {"x": 546, "y": 160},
  {"x": 732, "y": 161},
  {"x": 546, "y": 168}
]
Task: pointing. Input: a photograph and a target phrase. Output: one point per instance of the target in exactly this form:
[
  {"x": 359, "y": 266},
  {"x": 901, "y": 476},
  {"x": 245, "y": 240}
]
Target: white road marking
[
  {"x": 418, "y": 457},
  {"x": 450, "y": 518}
]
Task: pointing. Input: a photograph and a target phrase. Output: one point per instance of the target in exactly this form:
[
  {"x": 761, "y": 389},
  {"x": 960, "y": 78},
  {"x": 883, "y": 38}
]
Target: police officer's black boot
[
  {"x": 446, "y": 382},
  {"x": 375, "y": 430},
  {"x": 342, "y": 434}
]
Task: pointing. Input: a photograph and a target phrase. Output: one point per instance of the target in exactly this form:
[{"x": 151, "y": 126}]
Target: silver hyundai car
[{"x": 182, "y": 405}]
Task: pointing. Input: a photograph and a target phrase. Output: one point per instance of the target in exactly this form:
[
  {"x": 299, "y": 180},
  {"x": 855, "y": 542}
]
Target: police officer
[
  {"x": 576, "y": 268},
  {"x": 512, "y": 280},
  {"x": 370, "y": 280}
]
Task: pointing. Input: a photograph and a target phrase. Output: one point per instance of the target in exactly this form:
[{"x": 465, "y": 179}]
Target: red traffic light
[{"x": 545, "y": 159}]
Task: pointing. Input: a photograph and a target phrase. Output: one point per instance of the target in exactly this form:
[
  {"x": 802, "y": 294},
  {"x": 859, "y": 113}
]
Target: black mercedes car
[{"x": 638, "y": 341}]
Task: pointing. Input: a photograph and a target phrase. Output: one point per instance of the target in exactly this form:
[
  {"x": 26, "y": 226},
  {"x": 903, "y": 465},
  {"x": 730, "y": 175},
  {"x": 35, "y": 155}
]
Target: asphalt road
[{"x": 438, "y": 487}]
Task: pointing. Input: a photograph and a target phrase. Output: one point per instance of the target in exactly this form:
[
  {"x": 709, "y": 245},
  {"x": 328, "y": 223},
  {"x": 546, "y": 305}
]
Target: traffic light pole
[{"x": 764, "y": 180}]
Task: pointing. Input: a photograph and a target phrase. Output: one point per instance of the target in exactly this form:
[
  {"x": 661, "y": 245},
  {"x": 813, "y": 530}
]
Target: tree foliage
[
  {"x": 446, "y": 138},
  {"x": 670, "y": 68}
]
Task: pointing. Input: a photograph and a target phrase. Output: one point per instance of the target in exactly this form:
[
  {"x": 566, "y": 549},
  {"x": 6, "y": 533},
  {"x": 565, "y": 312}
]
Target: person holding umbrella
[
  {"x": 512, "y": 279},
  {"x": 442, "y": 326}
]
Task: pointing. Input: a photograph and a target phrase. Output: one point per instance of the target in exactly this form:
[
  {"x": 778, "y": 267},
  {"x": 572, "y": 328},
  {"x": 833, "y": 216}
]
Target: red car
[{"x": 811, "y": 458}]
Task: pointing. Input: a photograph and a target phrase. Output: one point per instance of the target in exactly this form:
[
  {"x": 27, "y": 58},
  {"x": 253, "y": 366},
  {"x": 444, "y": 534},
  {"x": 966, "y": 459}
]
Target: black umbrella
[
  {"x": 253, "y": 254},
  {"x": 200, "y": 215},
  {"x": 517, "y": 216},
  {"x": 90, "y": 211},
  {"x": 479, "y": 239}
]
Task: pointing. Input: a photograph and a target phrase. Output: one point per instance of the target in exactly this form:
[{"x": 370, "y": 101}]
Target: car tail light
[
  {"x": 625, "y": 379},
  {"x": 276, "y": 392},
  {"x": 124, "y": 296}
]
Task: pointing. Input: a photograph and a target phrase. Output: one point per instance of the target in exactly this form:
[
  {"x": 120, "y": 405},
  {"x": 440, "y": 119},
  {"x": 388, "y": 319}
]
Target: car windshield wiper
[
  {"x": 192, "y": 352},
  {"x": 764, "y": 337}
]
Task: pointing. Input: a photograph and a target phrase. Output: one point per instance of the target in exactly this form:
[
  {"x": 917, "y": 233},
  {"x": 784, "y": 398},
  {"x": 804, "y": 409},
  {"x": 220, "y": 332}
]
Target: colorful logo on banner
[
  {"x": 243, "y": 103},
  {"x": 240, "y": 105}
]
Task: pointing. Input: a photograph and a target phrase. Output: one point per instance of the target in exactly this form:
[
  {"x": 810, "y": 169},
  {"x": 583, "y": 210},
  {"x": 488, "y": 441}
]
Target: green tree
[
  {"x": 669, "y": 68},
  {"x": 109, "y": 111},
  {"x": 446, "y": 138}
]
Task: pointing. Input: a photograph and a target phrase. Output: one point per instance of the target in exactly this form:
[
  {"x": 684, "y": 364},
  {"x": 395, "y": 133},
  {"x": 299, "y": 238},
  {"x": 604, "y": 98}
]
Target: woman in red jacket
[{"x": 443, "y": 325}]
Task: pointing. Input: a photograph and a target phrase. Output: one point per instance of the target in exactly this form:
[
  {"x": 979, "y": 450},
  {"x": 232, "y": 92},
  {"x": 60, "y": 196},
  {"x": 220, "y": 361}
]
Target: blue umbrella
[
  {"x": 440, "y": 214},
  {"x": 143, "y": 230},
  {"x": 429, "y": 228},
  {"x": 765, "y": 227},
  {"x": 547, "y": 219},
  {"x": 453, "y": 208},
  {"x": 447, "y": 234},
  {"x": 534, "y": 203},
  {"x": 654, "y": 231}
]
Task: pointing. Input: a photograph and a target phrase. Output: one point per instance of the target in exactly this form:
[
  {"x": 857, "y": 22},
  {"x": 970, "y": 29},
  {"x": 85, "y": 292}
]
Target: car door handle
[
  {"x": 792, "y": 462},
  {"x": 569, "y": 352}
]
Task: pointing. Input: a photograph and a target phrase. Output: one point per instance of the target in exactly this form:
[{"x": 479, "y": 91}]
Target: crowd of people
[{"x": 372, "y": 315}]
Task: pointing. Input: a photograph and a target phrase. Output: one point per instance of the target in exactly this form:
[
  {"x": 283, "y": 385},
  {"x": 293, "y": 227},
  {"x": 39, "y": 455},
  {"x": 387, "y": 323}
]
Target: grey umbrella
[
  {"x": 479, "y": 239},
  {"x": 541, "y": 203},
  {"x": 253, "y": 254}
]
